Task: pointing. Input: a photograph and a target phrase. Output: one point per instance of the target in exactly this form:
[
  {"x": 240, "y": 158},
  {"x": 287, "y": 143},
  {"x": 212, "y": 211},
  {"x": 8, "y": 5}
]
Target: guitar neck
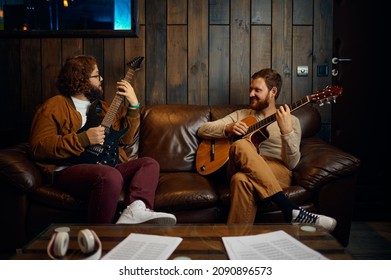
[
  {"x": 272, "y": 118},
  {"x": 116, "y": 103}
]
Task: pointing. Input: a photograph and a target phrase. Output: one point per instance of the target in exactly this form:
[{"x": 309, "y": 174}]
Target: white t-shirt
[{"x": 82, "y": 107}]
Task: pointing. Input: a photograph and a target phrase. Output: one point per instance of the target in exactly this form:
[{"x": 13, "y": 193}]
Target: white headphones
[{"x": 89, "y": 244}]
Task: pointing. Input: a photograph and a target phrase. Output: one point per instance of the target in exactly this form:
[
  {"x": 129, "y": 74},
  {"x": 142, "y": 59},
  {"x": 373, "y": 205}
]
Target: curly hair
[
  {"x": 272, "y": 79},
  {"x": 74, "y": 75}
]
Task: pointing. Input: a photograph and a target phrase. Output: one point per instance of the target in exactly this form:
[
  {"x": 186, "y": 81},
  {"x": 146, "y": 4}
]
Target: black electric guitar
[
  {"x": 107, "y": 153},
  {"x": 212, "y": 154}
]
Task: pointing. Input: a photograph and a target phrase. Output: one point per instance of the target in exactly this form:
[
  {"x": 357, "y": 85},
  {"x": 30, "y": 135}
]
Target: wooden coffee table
[{"x": 200, "y": 241}]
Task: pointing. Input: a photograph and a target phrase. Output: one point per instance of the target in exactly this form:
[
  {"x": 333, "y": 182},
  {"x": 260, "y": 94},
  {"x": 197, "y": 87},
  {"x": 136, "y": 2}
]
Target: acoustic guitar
[
  {"x": 212, "y": 154},
  {"x": 106, "y": 153}
]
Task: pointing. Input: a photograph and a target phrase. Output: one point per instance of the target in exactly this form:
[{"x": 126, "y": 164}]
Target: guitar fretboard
[
  {"x": 272, "y": 118},
  {"x": 116, "y": 103}
]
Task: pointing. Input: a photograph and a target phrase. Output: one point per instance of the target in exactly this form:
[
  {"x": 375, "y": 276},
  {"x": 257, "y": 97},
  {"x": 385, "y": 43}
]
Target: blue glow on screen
[{"x": 122, "y": 19}]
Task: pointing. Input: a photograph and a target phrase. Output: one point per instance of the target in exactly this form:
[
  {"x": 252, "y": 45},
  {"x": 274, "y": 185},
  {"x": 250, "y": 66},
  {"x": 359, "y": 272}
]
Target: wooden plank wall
[{"x": 196, "y": 52}]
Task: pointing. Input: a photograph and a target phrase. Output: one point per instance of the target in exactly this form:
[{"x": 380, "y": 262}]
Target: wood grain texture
[
  {"x": 156, "y": 51},
  {"x": 282, "y": 46},
  {"x": 176, "y": 12},
  {"x": 199, "y": 242},
  {"x": 219, "y": 64},
  {"x": 219, "y": 11},
  {"x": 261, "y": 12},
  {"x": 136, "y": 47},
  {"x": 322, "y": 50},
  {"x": 240, "y": 51},
  {"x": 261, "y": 47},
  {"x": 177, "y": 64},
  {"x": 30, "y": 83},
  {"x": 302, "y": 56},
  {"x": 196, "y": 52},
  {"x": 303, "y": 12},
  {"x": 51, "y": 65},
  {"x": 115, "y": 70}
]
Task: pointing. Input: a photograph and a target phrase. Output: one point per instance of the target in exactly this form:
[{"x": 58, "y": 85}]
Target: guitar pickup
[{"x": 96, "y": 149}]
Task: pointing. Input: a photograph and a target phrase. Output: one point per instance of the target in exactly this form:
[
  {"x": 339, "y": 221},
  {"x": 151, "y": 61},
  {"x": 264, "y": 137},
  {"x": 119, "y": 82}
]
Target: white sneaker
[
  {"x": 137, "y": 213},
  {"x": 303, "y": 216}
]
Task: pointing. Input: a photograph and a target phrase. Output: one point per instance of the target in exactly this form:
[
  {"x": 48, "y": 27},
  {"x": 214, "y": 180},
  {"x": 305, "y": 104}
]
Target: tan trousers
[{"x": 252, "y": 175}]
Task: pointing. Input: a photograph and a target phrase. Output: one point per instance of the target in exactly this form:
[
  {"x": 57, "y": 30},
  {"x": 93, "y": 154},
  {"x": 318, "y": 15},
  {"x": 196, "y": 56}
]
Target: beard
[
  {"x": 259, "y": 105},
  {"x": 94, "y": 94}
]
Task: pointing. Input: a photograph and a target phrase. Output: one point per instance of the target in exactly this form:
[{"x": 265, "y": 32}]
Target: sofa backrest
[{"x": 168, "y": 132}]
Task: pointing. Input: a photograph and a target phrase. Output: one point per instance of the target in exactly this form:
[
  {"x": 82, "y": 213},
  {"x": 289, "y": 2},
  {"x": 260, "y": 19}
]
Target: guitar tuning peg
[{"x": 320, "y": 102}]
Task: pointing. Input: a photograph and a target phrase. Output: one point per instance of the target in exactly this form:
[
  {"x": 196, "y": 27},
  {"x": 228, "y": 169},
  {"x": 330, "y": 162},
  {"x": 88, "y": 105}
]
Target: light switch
[
  {"x": 323, "y": 70},
  {"x": 302, "y": 71}
]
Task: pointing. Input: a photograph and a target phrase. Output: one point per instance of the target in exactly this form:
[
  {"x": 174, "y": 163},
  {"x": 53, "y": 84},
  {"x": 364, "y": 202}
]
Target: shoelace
[
  {"x": 306, "y": 217},
  {"x": 131, "y": 211}
]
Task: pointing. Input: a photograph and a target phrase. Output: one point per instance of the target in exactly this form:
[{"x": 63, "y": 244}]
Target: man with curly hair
[{"x": 58, "y": 135}]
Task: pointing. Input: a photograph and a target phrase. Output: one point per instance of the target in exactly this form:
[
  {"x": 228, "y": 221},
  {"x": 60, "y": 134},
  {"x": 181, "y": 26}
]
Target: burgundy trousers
[{"x": 101, "y": 185}]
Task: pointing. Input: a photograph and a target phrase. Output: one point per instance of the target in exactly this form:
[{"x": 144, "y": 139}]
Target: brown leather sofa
[{"x": 324, "y": 180}]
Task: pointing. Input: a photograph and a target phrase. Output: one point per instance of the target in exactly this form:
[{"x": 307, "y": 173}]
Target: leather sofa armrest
[
  {"x": 18, "y": 170},
  {"x": 55, "y": 198},
  {"x": 321, "y": 163}
]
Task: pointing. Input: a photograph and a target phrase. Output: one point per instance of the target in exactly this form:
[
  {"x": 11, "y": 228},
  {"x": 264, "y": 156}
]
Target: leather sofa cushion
[
  {"x": 184, "y": 191},
  {"x": 168, "y": 133},
  {"x": 16, "y": 168},
  {"x": 322, "y": 163}
]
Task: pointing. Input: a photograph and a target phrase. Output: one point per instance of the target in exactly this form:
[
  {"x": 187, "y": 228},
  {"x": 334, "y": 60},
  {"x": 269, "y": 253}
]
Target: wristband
[{"x": 135, "y": 106}]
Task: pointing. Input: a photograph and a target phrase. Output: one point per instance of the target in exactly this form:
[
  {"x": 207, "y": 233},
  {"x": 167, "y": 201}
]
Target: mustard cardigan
[{"x": 54, "y": 133}]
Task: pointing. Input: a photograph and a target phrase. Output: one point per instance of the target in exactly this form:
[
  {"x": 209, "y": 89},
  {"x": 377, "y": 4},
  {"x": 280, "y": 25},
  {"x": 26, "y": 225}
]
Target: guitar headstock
[
  {"x": 326, "y": 95},
  {"x": 135, "y": 63}
]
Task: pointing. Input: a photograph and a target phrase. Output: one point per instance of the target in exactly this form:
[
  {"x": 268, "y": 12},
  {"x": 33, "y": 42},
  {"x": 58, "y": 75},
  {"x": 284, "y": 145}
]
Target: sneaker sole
[
  {"x": 161, "y": 221},
  {"x": 157, "y": 221},
  {"x": 333, "y": 225},
  {"x": 330, "y": 229}
]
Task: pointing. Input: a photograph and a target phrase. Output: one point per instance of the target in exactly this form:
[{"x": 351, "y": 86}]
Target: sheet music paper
[
  {"x": 276, "y": 245},
  {"x": 144, "y": 247}
]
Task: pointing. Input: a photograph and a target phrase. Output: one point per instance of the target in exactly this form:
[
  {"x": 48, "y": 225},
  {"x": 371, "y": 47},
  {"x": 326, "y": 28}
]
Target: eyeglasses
[{"x": 96, "y": 76}]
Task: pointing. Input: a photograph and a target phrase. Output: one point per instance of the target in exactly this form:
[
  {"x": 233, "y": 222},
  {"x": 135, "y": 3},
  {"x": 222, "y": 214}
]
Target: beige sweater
[{"x": 283, "y": 147}]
